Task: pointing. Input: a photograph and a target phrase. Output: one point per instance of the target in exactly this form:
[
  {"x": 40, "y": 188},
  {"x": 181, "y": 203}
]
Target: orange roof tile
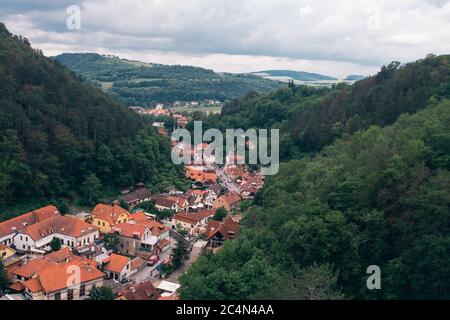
[
  {"x": 63, "y": 225},
  {"x": 136, "y": 263},
  {"x": 142, "y": 291},
  {"x": 59, "y": 256},
  {"x": 18, "y": 223},
  {"x": 17, "y": 286},
  {"x": 34, "y": 285},
  {"x": 116, "y": 263},
  {"x": 28, "y": 268},
  {"x": 130, "y": 230},
  {"x": 231, "y": 198},
  {"x": 194, "y": 217},
  {"x": 228, "y": 228},
  {"x": 109, "y": 213},
  {"x": 57, "y": 277}
]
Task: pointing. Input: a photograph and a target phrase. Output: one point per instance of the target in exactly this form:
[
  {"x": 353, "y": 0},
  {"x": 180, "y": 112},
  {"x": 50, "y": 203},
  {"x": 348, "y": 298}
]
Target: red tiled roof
[
  {"x": 130, "y": 230},
  {"x": 17, "y": 286},
  {"x": 116, "y": 263},
  {"x": 109, "y": 213},
  {"x": 142, "y": 291},
  {"x": 34, "y": 285},
  {"x": 63, "y": 225},
  {"x": 194, "y": 217},
  {"x": 139, "y": 216},
  {"x": 231, "y": 198},
  {"x": 228, "y": 228},
  {"x": 137, "y": 263},
  {"x": 57, "y": 277},
  {"x": 28, "y": 268},
  {"x": 174, "y": 296},
  {"x": 59, "y": 256},
  {"x": 137, "y": 195},
  {"x": 18, "y": 223},
  {"x": 166, "y": 201}
]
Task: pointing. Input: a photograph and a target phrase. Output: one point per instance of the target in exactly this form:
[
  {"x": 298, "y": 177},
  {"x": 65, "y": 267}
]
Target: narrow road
[{"x": 194, "y": 254}]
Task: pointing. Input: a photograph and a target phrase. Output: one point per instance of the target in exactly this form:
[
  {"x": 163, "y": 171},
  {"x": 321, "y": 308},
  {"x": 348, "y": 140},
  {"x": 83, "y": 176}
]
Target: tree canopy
[{"x": 57, "y": 133}]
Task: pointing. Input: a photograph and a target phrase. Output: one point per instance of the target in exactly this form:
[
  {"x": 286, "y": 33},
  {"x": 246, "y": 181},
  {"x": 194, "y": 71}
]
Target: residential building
[
  {"x": 217, "y": 232},
  {"x": 230, "y": 201},
  {"x": 215, "y": 190},
  {"x": 192, "y": 221},
  {"x": 158, "y": 230},
  {"x": 117, "y": 267},
  {"x": 135, "y": 239},
  {"x": 137, "y": 197},
  {"x": 105, "y": 217},
  {"x": 52, "y": 277},
  {"x": 166, "y": 203},
  {"x": 201, "y": 174},
  {"x": 142, "y": 291},
  {"x": 70, "y": 231},
  {"x": 10, "y": 228},
  {"x": 57, "y": 281}
]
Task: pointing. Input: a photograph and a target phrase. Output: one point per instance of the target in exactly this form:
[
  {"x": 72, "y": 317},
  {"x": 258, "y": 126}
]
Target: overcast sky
[{"x": 332, "y": 37}]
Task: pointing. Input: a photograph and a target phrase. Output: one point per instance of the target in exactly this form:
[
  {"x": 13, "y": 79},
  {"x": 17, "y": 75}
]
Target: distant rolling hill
[
  {"x": 284, "y": 75},
  {"x": 355, "y": 77},
  {"x": 139, "y": 83}
]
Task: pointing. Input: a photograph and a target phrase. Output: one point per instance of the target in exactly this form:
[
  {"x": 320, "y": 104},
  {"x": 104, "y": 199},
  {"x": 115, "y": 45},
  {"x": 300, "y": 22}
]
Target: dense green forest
[
  {"x": 365, "y": 181},
  {"x": 311, "y": 118},
  {"x": 139, "y": 83},
  {"x": 63, "y": 138},
  {"x": 378, "y": 197}
]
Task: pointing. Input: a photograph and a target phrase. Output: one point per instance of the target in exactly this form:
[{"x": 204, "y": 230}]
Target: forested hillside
[
  {"x": 139, "y": 83},
  {"x": 294, "y": 75},
  {"x": 365, "y": 181},
  {"x": 313, "y": 118},
  {"x": 61, "y": 137},
  {"x": 378, "y": 197}
]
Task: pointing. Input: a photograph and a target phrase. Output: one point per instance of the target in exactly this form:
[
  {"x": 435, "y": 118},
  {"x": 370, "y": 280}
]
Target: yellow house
[
  {"x": 105, "y": 217},
  {"x": 6, "y": 253}
]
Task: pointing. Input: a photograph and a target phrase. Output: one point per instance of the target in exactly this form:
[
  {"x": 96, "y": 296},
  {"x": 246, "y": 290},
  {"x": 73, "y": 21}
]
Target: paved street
[
  {"x": 150, "y": 272},
  {"x": 225, "y": 181},
  {"x": 194, "y": 254}
]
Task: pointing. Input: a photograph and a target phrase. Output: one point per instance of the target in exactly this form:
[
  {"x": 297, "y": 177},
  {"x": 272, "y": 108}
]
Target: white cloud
[
  {"x": 306, "y": 10},
  {"x": 232, "y": 35}
]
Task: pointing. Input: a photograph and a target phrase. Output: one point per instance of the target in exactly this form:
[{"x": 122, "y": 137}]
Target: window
[
  {"x": 82, "y": 290},
  {"x": 21, "y": 238},
  {"x": 70, "y": 294},
  {"x": 58, "y": 296}
]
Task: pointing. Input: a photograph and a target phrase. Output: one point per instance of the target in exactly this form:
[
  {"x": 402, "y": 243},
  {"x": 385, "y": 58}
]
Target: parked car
[{"x": 152, "y": 260}]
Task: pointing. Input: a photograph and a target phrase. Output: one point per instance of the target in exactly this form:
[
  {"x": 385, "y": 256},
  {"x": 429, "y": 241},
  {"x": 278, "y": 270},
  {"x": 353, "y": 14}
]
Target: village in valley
[{"x": 136, "y": 247}]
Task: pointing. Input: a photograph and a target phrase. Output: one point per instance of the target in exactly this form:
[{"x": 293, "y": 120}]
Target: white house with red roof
[
  {"x": 71, "y": 232},
  {"x": 10, "y": 228}
]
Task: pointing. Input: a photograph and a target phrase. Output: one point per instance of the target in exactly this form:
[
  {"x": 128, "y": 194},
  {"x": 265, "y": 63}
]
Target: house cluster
[
  {"x": 207, "y": 102},
  {"x": 159, "y": 111},
  {"x": 82, "y": 260}
]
